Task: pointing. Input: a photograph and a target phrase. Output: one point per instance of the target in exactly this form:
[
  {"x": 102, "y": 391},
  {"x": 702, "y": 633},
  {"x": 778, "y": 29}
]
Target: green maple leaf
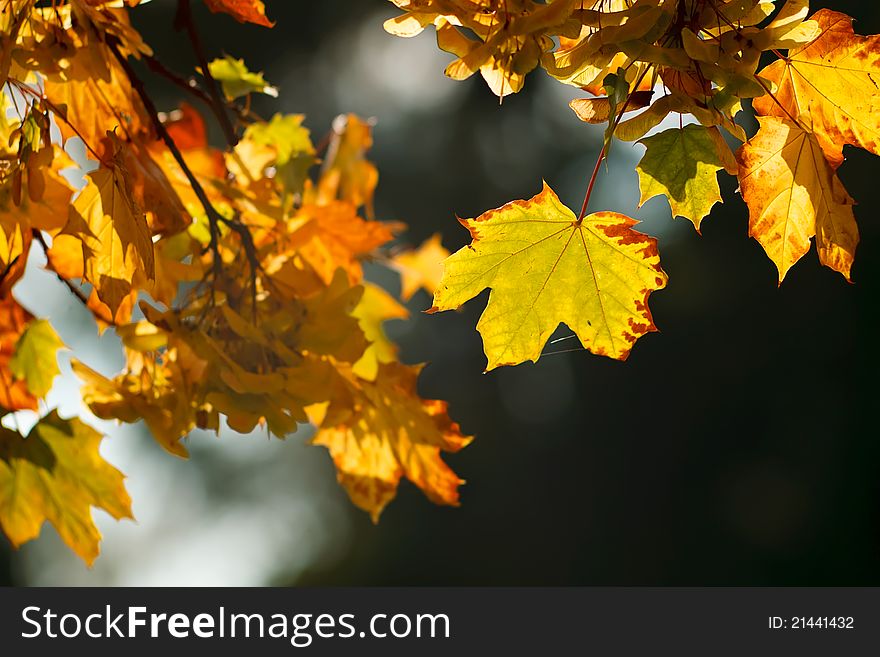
[
  {"x": 35, "y": 359},
  {"x": 57, "y": 474},
  {"x": 237, "y": 80},
  {"x": 682, "y": 164}
]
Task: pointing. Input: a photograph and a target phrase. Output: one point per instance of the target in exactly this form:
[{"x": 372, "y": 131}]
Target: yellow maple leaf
[
  {"x": 347, "y": 174},
  {"x": 584, "y": 63},
  {"x": 793, "y": 194},
  {"x": 159, "y": 394},
  {"x": 278, "y": 150},
  {"x": 57, "y": 474},
  {"x": 115, "y": 237},
  {"x": 46, "y": 214},
  {"x": 391, "y": 433},
  {"x": 15, "y": 243},
  {"x": 17, "y": 220},
  {"x": 374, "y": 309},
  {"x": 35, "y": 358},
  {"x": 333, "y": 235},
  {"x": 325, "y": 323},
  {"x": 545, "y": 267},
  {"x": 96, "y": 102},
  {"x": 421, "y": 267},
  {"x": 151, "y": 189},
  {"x": 831, "y": 85}
]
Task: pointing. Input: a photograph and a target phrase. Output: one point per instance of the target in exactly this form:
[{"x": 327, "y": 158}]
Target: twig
[
  {"x": 187, "y": 84},
  {"x": 71, "y": 286},
  {"x": 184, "y": 20},
  {"x": 614, "y": 125},
  {"x": 214, "y": 217},
  {"x": 191, "y": 87}
]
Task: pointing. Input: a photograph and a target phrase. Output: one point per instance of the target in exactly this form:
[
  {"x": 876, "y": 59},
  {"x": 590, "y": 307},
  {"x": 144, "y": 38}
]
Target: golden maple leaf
[
  {"x": 390, "y": 433},
  {"x": 347, "y": 174},
  {"x": 544, "y": 267},
  {"x": 95, "y": 103},
  {"x": 116, "y": 240},
  {"x": 511, "y": 38},
  {"x": 333, "y": 235},
  {"x": 15, "y": 244},
  {"x": 151, "y": 189},
  {"x": 374, "y": 309},
  {"x": 831, "y": 85},
  {"x": 421, "y": 268},
  {"x": 161, "y": 394},
  {"x": 793, "y": 194}
]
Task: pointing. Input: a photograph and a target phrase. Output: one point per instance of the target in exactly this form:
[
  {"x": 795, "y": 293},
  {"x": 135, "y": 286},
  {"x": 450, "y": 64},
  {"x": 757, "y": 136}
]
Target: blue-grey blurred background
[{"x": 737, "y": 446}]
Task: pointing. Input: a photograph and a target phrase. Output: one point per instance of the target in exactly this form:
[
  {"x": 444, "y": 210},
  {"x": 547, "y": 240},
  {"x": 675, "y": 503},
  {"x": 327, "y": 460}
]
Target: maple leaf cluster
[
  {"x": 638, "y": 62},
  {"x": 231, "y": 275}
]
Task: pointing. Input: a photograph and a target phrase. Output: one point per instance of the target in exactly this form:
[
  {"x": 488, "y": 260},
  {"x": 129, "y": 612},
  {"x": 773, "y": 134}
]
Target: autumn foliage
[{"x": 232, "y": 274}]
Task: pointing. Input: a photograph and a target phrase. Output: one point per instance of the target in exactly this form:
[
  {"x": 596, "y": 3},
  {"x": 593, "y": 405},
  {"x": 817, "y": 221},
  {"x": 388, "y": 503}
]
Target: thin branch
[
  {"x": 74, "y": 289},
  {"x": 184, "y": 20},
  {"x": 610, "y": 136},
  {"x": 214, "y": 216},
  {"x": 190, "y": 86},
  {"x": 187, "y": 84}
]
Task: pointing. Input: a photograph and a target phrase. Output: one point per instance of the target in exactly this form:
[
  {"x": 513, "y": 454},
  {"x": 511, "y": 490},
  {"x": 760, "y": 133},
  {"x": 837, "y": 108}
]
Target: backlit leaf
[
  {"x": 14, "y": 392},
  {"x": 421, "y": 268},
  {"x": 115, "y": 236},
  {"x": 244, "y": 11},
  {"x": 682, "y": 165},
  {"x": 237, "y": 80},
  {"x": 544, "y": 268},
  {"x": 793, "y": 193},
  {"x": 831, "y": 84},
  {"x": 34, "y": 360},
  {"x": 347, "y": 174},
  {"x": 284, "y": 143},
  {"x": 374, "y": 309},
  {"x": 391, "y": 433},
  {"x": 57, "y": 474},
  {"x": 333, "y": 235},
  {"x": 95, "y": 104}
]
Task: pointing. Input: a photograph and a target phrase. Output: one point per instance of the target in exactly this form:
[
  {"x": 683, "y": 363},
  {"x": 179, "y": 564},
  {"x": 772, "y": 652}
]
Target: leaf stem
[
  {"x": 610, "y": 136},
  {"x": 74, "y": 289},
  {"x": 589, "y": 193}
]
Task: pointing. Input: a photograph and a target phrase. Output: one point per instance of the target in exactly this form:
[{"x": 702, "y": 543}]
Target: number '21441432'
[{"x": 810, "y": 622}]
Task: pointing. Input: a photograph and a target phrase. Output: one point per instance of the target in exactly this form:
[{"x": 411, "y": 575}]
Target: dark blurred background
[{"x": 737, "y": 446}]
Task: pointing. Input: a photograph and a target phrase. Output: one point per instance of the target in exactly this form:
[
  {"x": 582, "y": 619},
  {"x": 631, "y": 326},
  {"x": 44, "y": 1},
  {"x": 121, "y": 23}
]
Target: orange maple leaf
[
  {"x": 14, "y": 394},
  {"x": 244, "y": 11},
  {"x": 391, "y": 433}
]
